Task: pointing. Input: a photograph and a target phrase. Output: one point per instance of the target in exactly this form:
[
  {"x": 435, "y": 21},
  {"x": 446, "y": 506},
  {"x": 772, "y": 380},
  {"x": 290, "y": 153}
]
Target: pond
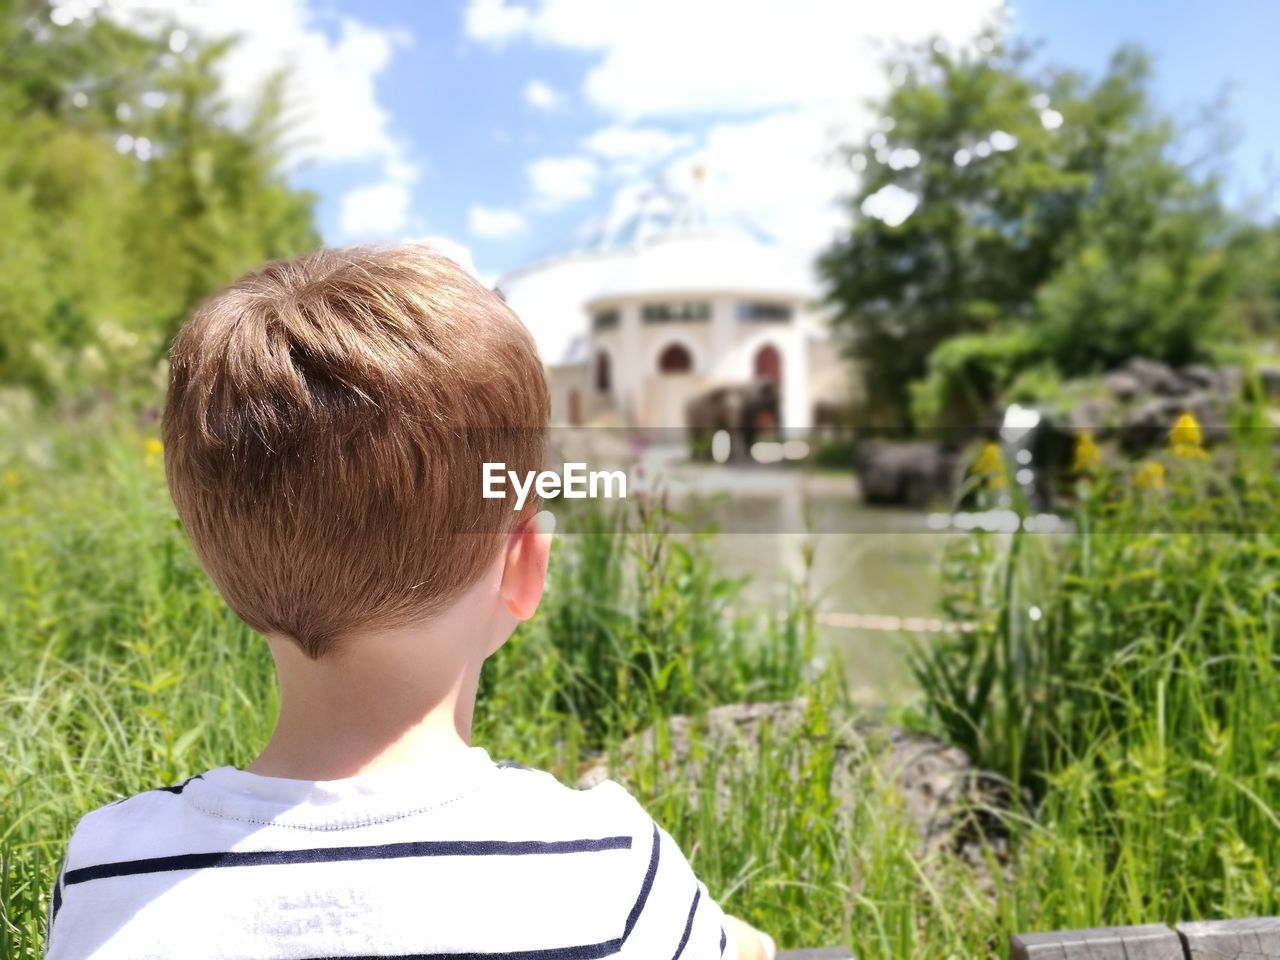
[{"x": 872, "y": 567}]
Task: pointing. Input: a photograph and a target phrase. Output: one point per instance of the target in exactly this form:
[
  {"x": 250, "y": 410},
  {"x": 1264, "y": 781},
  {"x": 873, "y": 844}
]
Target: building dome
[
  {"x": 666, "y": 244},
  {"x": 701, "y": 263},
  {"x": 659, "y": 213}
]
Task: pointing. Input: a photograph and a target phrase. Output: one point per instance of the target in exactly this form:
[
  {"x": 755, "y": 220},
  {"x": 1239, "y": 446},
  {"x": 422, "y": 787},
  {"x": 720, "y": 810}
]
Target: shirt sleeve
[{"x": 673, "y": 915}]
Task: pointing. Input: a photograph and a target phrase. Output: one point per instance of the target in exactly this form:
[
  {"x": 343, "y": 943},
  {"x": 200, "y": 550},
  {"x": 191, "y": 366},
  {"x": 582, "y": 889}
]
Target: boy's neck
[{"x": 382, "y": 705}]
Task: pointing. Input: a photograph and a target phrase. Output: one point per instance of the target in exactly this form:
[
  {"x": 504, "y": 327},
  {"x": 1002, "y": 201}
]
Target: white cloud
[
  {"x": 376, "y": 211},
  {"x": 495, "y": 222},
  {"x": 636, "y": 146},
  {"x": 332, "y": 64},
  {"x": 558, "y": 181},
  {"x": 330, "y": 87},
  {"x": 726, "y": 55},
  {"x": 797, "y": 75},
  {"x": 778, "y": 170},
  {"x": 541, "y": 95},
  {"x": 494, "y": 21}
]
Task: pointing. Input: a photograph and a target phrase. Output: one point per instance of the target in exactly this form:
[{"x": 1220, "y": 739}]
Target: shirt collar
[{"x": 367, "y": 798}]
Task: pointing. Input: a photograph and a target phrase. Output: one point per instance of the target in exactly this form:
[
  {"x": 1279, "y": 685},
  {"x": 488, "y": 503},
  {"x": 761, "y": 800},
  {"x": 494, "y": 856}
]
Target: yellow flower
[
  {"x": 1186, "y": 432},
  {"x": 1150, "y": 476},
  {"x": 10, "y": 478},
  {"x": 990, "y": 466},
  {"x": 989, "y": 461},
  {"x": 153, "y": 447},
  {"x": 1186, "y": 437},
  {"x": 1088, "y": 458}
]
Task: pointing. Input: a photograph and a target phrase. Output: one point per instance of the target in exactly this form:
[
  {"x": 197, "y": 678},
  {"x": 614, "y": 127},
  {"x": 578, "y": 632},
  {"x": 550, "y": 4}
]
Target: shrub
[{"x": 966, "y": 376}]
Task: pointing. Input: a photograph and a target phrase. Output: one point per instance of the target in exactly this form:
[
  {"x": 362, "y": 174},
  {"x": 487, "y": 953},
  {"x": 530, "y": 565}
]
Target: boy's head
[{"x": 324, "y": 435}]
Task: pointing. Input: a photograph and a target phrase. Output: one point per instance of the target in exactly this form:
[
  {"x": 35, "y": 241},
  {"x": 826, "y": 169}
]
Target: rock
[
  {"x": 903, "y": 474},
  {"x": 1270, "y": 377},
  {"x": 1144, "y": 398},
  {"x": 952, "y": 806},
  {"x": 1148, "y": 425},
  {"x": 1155, "y": 377},
  {"x": 1123, "y": 385},
  {"x": 1095, "y": 415},
  {"x": 1200, "y": 377}
]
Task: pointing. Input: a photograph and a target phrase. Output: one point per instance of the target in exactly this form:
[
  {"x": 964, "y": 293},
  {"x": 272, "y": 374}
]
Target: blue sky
[
  {"x": 1201, "y": 50},
  {"x": 500, "y": 125}
]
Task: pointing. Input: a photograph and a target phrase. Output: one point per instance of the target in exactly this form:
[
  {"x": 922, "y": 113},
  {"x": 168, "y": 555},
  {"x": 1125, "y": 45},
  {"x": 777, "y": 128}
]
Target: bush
[
  {"x": 966, "y": 376},
  {"x": 836, "y": 452}
]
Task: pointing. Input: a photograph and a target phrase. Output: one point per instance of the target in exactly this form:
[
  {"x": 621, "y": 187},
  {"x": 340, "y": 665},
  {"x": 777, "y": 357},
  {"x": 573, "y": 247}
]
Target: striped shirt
[{"x": 463, "y": 858}]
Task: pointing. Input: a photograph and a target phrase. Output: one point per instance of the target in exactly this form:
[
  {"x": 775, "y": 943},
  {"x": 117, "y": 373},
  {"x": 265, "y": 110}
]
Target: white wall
[{"x": 724, "y": 350}]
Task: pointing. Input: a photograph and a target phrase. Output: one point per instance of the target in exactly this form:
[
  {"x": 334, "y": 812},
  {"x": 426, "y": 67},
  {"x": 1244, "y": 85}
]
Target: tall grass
[
  {"x": 124, "y": 671},
  {"x": 1126, "y": 675},
  {"x": 1139, "y": 709},
  {"x": 637, "y": 623}
]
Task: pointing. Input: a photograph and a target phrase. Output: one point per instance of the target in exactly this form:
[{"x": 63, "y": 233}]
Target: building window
[
  {"x": 604, "y": 373},
  {"x": 768, "y": 363},
  {"x": 680, "y": 311},
  {"x": 606, "y": 320},
  {"x": 675, "y": 358},
  {"x": 763, "y": 311}
]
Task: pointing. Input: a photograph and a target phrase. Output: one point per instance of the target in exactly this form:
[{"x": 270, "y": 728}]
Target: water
[
  {"x": 878, "y": 563},
  {"x": 868, "y": 575}
]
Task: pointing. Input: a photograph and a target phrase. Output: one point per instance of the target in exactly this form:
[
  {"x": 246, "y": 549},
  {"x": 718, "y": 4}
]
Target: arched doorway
[
  {"x": 768, "y": 363},
  {"x": 675, "y": 358},
  {"x": 604, "y": 373},
  {"x": 764, "y": 417}
]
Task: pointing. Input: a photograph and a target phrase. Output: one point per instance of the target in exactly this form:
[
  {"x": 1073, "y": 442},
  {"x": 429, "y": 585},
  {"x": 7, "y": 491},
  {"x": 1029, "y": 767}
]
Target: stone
[
  {"x": 1270, "y": 378},
  {"x": 1251, "y": 939},
  {"x": 1152, "y": 941},
  {"x": 1123, "y": 385},
  {"x": 1155, "y": 377},
  {"x": 1147, "y": 426},
  {"x": 1201, "y": 377},
  {"x": 1095, "y": 414},
  {"x": 951, "y": 804},
  {"x": 903, "y": 474}
]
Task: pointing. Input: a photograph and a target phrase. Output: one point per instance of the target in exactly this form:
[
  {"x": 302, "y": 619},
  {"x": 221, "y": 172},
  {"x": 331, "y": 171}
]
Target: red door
[{"x": 769, "y": 363}]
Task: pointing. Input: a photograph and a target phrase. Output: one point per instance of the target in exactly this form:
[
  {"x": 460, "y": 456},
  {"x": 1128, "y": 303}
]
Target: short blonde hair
[{"x": 324, "y": 431}]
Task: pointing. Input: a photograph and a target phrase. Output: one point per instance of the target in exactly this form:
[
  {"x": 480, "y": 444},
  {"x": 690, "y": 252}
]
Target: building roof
[
  {"x": 657, "y": 213},
  {"x": 707, "y": 263},
  {"x": 666, "y": 244}
]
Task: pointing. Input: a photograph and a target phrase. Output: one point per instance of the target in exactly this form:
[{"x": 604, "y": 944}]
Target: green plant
[
  {"x": 637, "y": 621},
  {"x": 1125, "y": 673}
]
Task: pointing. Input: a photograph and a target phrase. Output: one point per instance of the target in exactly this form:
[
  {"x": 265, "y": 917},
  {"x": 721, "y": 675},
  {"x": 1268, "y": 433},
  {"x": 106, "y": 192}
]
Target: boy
[{"x": 324, "y": 431}]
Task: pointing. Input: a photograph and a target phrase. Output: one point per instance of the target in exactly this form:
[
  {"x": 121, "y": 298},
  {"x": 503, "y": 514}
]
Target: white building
[{"x": 668, "y": 303}]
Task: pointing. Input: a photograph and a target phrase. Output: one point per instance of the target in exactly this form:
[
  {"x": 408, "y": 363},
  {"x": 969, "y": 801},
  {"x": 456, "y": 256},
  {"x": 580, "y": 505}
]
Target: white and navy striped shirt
[{"x": 463, "y": 858}]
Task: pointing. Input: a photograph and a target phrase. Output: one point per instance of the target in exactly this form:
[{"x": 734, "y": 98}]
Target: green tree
[
  {"x": 1255, "y": 310},
  {"x": 125, "y": 194},
  {"x": 1050, "y": 224}
]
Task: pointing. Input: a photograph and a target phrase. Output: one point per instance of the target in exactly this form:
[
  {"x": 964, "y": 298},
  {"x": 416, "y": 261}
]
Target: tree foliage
[
  {"x": 126, "y": 195},
  {"x": 1052, "y": 224}
]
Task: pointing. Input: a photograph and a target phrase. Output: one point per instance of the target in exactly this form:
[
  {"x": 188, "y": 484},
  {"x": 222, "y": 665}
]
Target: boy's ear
[{"x": 525, "y": 570}]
